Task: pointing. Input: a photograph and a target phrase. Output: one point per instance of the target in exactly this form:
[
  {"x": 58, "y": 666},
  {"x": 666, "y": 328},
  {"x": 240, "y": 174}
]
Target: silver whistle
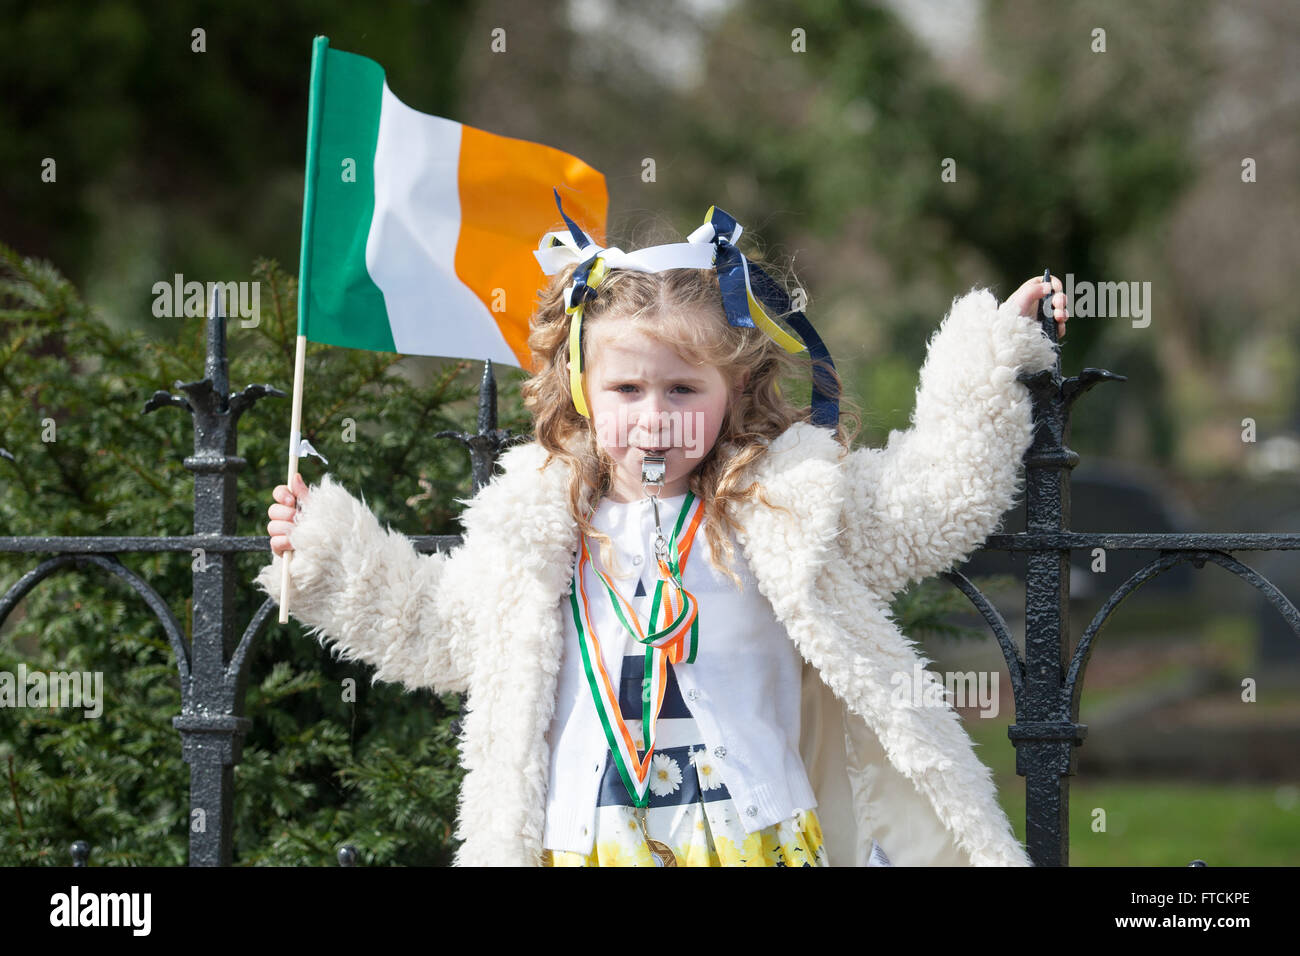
[{"x": 653, "y": 470}]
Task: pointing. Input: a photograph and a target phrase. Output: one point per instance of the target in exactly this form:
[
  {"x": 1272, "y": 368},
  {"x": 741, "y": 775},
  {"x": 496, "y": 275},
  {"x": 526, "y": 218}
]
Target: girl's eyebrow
[{"x": 634, "y": 380}]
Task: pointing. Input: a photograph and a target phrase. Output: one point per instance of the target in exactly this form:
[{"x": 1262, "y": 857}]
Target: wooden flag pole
[
  {"x": 299, "y": 363},
  {"x": 319, "y": 47}
]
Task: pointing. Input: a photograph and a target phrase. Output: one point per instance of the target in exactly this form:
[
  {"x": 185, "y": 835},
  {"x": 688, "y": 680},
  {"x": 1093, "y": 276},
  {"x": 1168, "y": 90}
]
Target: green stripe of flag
[{"x": 339, "y": 303}]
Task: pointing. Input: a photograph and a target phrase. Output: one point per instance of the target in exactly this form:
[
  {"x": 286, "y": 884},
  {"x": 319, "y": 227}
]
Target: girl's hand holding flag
[{"x": 284, "y": 513}]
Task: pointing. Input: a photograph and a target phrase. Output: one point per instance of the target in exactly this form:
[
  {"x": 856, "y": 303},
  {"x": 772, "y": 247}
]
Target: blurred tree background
[
  {"x": 823, "y": 126},
  {"x": 1123, "y": 165},
  {"x": 377, "y": 768}
]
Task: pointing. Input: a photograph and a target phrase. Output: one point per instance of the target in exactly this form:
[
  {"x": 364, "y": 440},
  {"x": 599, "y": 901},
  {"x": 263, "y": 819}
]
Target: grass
[
  {"x": 1171, "y": 824},
  {"x": 1157, "y": 823}
]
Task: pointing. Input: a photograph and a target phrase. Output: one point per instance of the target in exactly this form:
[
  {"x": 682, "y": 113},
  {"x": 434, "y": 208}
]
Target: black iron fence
[{"x": 1046, "y": 681}]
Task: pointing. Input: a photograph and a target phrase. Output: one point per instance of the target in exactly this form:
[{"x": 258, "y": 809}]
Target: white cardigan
[
  {"x": 742, "y": 689},
  {"x": 861, "y": 526}
]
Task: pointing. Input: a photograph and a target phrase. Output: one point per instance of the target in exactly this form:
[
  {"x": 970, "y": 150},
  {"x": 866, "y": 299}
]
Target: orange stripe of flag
[{"x": 506, "y": 205}]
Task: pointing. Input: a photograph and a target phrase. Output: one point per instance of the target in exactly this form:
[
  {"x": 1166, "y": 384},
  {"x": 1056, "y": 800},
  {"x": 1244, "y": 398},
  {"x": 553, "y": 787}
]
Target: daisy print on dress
[
  {"x": 665, "y": 775},
  {"x": 688, "y": 809},
  {"x": 710, "y": 779},
  {"x": 700, "y": 826}
]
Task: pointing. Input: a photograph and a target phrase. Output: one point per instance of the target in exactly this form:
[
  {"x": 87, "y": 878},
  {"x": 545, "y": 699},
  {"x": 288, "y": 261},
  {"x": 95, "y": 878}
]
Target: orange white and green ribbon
[{"x": 674, "y": 636}]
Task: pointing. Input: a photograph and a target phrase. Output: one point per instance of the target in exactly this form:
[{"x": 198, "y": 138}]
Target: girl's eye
[{"x": 686, "y": 388}]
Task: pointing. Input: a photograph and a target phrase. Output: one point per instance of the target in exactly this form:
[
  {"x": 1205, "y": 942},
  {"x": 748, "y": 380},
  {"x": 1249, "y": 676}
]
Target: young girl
[{"x": 670, "y": 612}]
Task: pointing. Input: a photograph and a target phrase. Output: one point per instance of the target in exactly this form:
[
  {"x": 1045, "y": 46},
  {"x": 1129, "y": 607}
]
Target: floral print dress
[{"x": 689, "y": 809}]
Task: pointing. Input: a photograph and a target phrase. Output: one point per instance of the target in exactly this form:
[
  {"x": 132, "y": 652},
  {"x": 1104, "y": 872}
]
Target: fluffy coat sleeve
[
  {"x": 369, "y": 592},
  {"x": 936, "y": 491}
]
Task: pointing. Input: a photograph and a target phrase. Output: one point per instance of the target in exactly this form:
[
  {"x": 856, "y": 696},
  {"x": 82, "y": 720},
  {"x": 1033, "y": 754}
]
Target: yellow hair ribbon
[
  {"x": 597, "y": 275},
  {"x": 575, "y": 361},
  {"x": 774, "y": 331}
]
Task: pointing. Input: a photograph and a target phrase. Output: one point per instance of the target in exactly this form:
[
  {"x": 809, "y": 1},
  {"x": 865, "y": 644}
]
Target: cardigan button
[
  {"x": 719, "y": 752},
  {"x": 636, "y": 559},
  {"x": 751, "y": 811},
  {"x": 692, "y": 694}
]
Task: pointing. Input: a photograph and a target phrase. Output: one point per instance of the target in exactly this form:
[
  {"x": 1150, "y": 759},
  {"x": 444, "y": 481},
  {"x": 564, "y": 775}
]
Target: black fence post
[
  {"x": 487, "y": 444},
  {"x": 1047, "y": 729},
  {"x": 212, "y": 722}
]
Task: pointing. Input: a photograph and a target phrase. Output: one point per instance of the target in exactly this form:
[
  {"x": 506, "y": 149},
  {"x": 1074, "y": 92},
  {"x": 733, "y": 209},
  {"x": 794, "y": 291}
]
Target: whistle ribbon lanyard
[{"x": 675, "y": 637}]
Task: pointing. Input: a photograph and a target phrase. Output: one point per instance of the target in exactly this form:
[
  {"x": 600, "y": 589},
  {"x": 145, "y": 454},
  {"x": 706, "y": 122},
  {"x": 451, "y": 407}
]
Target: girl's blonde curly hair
[{"x": 682, "y": 308}]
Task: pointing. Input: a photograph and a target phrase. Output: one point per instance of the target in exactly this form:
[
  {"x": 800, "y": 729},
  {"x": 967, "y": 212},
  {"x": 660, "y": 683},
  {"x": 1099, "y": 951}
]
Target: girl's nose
[{"x": 654, "y": 420}]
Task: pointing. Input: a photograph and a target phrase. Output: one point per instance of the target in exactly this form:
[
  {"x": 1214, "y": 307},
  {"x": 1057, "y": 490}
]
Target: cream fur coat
[{"x": 486, "y": 617}]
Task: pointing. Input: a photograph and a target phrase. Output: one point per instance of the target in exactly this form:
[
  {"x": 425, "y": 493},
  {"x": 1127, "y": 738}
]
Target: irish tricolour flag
[{"x": 418, "y": 231}]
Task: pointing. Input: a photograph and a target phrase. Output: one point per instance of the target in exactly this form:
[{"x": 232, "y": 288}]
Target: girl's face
[{"x": 644, "y": 398}]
